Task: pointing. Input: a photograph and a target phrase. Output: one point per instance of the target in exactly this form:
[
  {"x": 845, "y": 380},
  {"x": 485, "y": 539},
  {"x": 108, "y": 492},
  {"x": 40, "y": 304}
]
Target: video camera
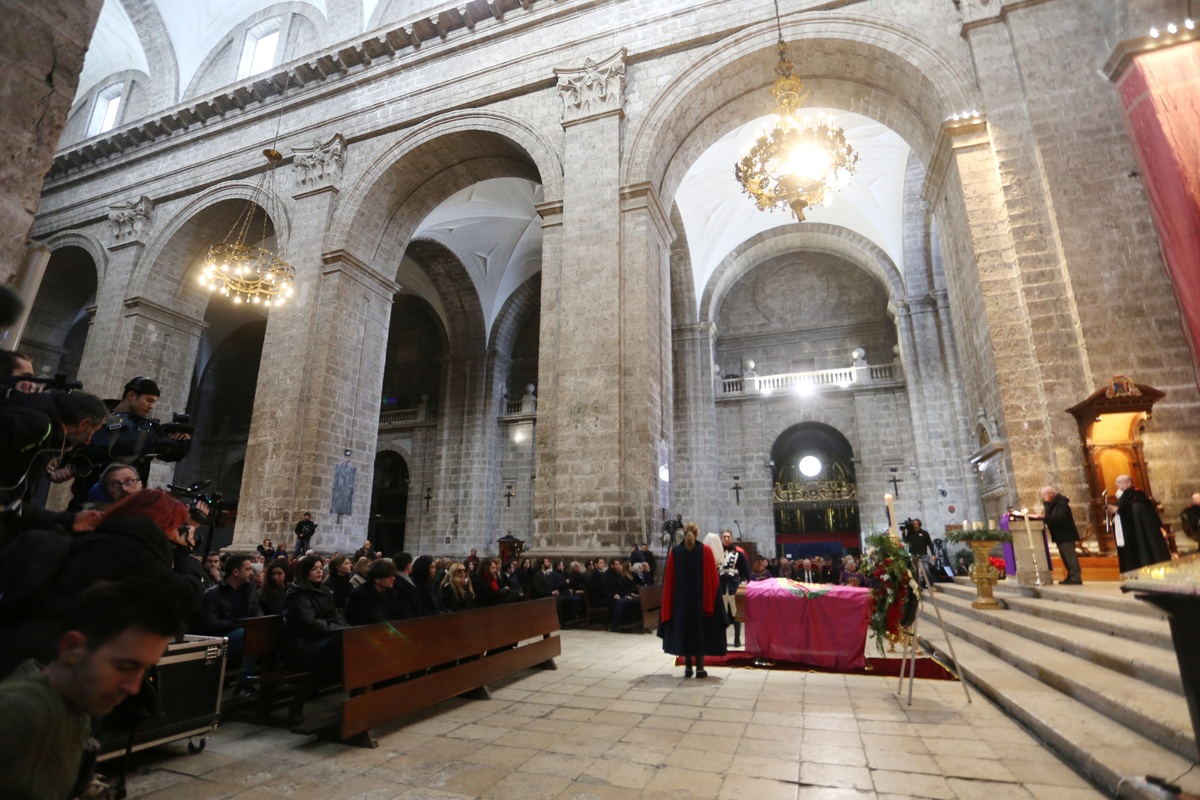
[
  {"x": 59, "y": 383},
  {"x": 133, "y": 439}
]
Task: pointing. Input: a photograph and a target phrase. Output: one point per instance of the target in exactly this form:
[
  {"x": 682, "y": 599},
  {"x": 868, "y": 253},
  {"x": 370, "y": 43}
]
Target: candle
[
  {"x": 966, "y": 524},
  {"x": 1028, "y": 530},
  {"x": 991, "y": 524},
  {"x": 891, "y": 512}
]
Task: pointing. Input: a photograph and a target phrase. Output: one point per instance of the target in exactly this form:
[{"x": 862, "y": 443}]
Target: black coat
[
  {"x": 1142, "y": 530},
  {"x": 689, "y": 631},
  {"x": 453, "y": 603},
  {"x": 339, "y": 586},
  {"x": 272, "y": 602},
  {"x": 224, "y": 609},
  {"x": 31, "y": 434},
  {"x": 1059, "y": 520},
  {"x": 541, "y": 586},
  {"x": 367, "y": 606},
  {"x": 410, "y": 597},
  {"x": 310, "y": 619}
]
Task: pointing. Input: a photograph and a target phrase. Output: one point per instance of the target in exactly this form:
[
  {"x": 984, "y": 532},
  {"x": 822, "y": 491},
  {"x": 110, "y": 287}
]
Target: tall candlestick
[
  {"x": 891, "y": 511},
  {"x": 1028, "y": 530}
]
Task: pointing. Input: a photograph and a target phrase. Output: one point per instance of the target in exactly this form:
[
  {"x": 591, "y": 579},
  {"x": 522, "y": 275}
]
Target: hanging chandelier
[
  {"x": 799, "y": 161},
  {"x": 250, "y": 273}
]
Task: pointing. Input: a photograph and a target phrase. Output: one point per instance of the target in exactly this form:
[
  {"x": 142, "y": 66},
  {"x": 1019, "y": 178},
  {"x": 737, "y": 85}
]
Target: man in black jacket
[
  {"x": 37, "y": 431},
  {"x": 1061, "y": 525},
  {"x": 375, "y": 600},
  {"x": 224, "y": 609},
  {"x": 305, "y": 529},
  {"x": 407, "y": 593}
]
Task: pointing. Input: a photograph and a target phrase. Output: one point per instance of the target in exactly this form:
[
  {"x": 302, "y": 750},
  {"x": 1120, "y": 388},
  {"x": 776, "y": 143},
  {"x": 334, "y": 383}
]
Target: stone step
[
  {"x": 1116, "y": 619},
  {"x": 1099, "y": 596},
  {"x": 1156, "y": 666},
  {"x": 1158, "y": 714},
  {"x": 1108, "y": 753}
]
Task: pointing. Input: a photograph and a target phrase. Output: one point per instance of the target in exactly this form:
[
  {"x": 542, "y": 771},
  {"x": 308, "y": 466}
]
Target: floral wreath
[{"x": 895, "y": 593}]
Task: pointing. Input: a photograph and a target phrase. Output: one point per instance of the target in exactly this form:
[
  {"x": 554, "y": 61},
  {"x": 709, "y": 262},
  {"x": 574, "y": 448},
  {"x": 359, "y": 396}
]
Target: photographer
[
  {"x": 131, "y": 438},
  {"x": 920, "y": 545},
  {"x": 36, "y": 433}
]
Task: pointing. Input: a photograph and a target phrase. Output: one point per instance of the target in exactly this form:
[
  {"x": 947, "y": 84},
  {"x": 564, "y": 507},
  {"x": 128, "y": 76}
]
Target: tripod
[{"x": 909, "y": 656}]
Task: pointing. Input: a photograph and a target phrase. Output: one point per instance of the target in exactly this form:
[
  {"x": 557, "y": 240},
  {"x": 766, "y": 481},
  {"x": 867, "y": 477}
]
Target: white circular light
[{"x": 810, "y": 466}]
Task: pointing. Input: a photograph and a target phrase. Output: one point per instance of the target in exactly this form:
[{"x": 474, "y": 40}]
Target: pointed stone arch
[
  {"x": 463, "y": 322},
  {"x": 159, "y": 49}
]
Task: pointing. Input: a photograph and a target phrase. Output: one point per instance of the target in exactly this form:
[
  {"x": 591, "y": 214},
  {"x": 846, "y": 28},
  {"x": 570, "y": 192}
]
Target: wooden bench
[
  {"x": 651, "y": 599},
  {"x": 263, "y": 638},
  {"x": 394, "y": 669}
]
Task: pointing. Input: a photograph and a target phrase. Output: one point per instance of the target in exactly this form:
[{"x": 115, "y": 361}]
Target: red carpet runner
[{"x": 927, "y": 668}]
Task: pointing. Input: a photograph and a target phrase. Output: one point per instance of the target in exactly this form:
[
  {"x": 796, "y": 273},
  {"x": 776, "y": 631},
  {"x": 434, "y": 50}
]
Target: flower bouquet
[{"x": 895, "y": 597}]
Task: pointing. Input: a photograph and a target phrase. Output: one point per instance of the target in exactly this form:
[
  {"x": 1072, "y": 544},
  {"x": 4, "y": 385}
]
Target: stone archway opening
[
  {"x": 815, "y": 494},
  {"x": 389, "y": 503},
  {"x": 61, "y": 314}
]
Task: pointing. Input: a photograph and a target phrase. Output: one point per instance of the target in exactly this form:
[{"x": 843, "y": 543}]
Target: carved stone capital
[
  {"x": 320, "y": 163},
  {"x": 131, "y": 219},
  {"x": 593, "y": 90},
  {"x": 973, "y": 11}
]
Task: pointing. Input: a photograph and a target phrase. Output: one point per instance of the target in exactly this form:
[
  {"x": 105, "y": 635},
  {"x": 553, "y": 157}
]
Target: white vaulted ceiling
[{"x": 718, "y": 216}]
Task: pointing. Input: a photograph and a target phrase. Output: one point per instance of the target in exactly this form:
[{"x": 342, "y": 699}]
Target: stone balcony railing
[
  {"x": 401, "y": 417},
  {"x": 855, "y": 377}
]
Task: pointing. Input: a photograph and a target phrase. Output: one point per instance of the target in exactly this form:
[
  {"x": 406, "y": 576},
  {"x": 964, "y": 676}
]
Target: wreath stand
[{"x": 909, "y": 653}]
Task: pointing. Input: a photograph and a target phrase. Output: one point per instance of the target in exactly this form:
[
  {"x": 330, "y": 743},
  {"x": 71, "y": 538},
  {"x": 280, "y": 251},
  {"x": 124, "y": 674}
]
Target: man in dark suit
[{"x": 407, "y": 593}]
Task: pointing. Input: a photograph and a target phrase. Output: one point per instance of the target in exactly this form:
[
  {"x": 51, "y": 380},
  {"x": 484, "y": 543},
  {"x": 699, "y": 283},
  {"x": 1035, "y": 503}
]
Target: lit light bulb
[
  {"x": 1154, "y": 33},
  {"x": 1189, "y": 24},
  {"x": 1171, "y": 28},
  {"x": 288, "y": 292},
  {"x": 808, "y": 161},
  {"x": 827, "y": 200},
  {"x": 237, "y": 298}
]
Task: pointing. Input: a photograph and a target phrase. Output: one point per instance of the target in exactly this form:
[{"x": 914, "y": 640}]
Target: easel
[{"x": 911, "y": 645}]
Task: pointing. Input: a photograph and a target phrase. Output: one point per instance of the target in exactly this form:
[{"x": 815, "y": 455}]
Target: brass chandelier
[
  {"x": 801, "y": 160},
  {"x": 250, "y": 273}
]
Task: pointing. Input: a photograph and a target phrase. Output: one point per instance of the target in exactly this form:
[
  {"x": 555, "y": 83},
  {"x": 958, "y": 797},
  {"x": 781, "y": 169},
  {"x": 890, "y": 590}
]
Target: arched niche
[
  {"x": 815, "y": 495},
  {"x": 389, "y": 502}
]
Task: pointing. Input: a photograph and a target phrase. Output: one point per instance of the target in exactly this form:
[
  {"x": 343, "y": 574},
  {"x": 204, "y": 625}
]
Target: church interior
[{"x": 450, "y": 273}]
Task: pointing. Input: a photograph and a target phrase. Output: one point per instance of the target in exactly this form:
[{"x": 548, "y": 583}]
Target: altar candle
[
  {"x": 978, "y": 525},
  {"x": 966, "y": 524},
  {"x": 991, "y": 525},
  {"x": 891, "y": 509}
]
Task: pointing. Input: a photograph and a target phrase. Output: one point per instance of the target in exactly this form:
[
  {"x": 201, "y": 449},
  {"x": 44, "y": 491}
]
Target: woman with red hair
[{"x": 144, "y": 536}]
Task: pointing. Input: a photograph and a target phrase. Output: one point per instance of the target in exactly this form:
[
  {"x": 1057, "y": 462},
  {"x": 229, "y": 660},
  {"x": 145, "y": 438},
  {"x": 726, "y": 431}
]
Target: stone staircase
[{"x": 1090, "y": 671}]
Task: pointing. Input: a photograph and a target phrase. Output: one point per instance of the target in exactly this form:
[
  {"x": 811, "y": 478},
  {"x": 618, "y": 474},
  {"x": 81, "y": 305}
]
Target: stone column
[
  {"x": 694, "y": 473},
  {"x": 603, "y": 336},
  {"x": 27, "y": 279},
  {"x": 318, "y": 387}
]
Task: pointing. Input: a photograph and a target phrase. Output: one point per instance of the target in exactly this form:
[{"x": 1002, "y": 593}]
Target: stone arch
[
  {"x": 84, "y": 241},
  {"x": 856, "y": 62},
  {"x": 162, "y": 272},
  {"x": 522, "y": 303},
  {"x": 424, "y": 167},
  {"x": 163, "y": 83},
  {"x": 463, "y": 322},
  {"x": 812, "y": 237}
]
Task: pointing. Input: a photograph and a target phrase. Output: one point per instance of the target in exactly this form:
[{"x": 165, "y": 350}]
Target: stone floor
[{"x": 617, "y": 720}]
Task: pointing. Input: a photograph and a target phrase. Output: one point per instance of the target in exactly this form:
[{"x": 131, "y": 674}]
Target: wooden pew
[
  {"x": 394, "y": 669},
  {"x": 651, "y": 599},
  {"x": 263, "y": 637}
]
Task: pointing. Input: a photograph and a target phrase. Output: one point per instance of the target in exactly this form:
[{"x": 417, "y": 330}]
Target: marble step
[
  {"x": 1156, "y": 666},
  {"x": 1105, "y": 751},
  {"x": 1158, "y": 714},
  {"x": 1106, "y": 595},
  {"x": 1115, "y": 619}
]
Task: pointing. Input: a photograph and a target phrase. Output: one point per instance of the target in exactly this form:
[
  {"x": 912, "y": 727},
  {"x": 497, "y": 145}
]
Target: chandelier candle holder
[
  {"x": 799, "y": 161},
  {"x": 250, "y": 273}
]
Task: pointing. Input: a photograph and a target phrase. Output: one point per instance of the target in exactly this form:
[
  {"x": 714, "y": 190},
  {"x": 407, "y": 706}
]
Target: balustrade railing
[
  {"x": 399, "y": 416},
  {"x": 842, "y": 378}
]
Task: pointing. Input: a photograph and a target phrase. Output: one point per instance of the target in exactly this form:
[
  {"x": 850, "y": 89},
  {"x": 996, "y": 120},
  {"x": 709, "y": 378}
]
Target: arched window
[
  {"x": 259, "y": 49},
  {"x": 106, "y": 110}
]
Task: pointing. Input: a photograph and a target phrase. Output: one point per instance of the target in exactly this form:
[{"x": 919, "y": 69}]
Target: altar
[{"x": 821, "y": 625}]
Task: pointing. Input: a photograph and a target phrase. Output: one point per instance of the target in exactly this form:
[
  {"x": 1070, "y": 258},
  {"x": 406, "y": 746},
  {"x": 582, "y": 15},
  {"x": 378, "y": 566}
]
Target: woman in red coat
[{"x": 692, "y": 622}]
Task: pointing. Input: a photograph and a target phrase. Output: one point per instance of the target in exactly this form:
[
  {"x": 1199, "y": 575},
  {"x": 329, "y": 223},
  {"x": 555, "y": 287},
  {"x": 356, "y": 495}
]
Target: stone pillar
[
  {"x": 318, "y": 388},
  {"x": 600, "y": 414},
  {"x": 1156, "y": 82},
  {"x": 695, "y": 490},
  {"x": 26, "y": 282},
  {"x": 41, "y": 55}
]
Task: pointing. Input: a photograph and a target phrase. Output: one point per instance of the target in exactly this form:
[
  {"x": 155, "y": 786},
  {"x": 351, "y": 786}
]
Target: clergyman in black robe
[{"x": 1139, "y": 530}]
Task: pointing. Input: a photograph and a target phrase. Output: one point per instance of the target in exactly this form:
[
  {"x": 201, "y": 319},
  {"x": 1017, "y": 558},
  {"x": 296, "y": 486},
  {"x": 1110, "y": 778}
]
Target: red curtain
[{"x": 1160, "y": 92}]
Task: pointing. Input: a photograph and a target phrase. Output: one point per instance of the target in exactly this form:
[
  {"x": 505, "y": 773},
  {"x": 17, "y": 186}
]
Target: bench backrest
[
  {"x": 263, "y": 635},
  {"x": 650, "y": 597},
  {"x": 376, "y": 653}
]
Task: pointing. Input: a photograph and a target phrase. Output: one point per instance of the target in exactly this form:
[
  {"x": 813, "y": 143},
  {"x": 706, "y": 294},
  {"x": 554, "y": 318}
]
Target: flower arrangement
[
  {"x": 894, "y": 593},
  {"x": 978, "y": 536},
  {"x": 998, "y": 563}
]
